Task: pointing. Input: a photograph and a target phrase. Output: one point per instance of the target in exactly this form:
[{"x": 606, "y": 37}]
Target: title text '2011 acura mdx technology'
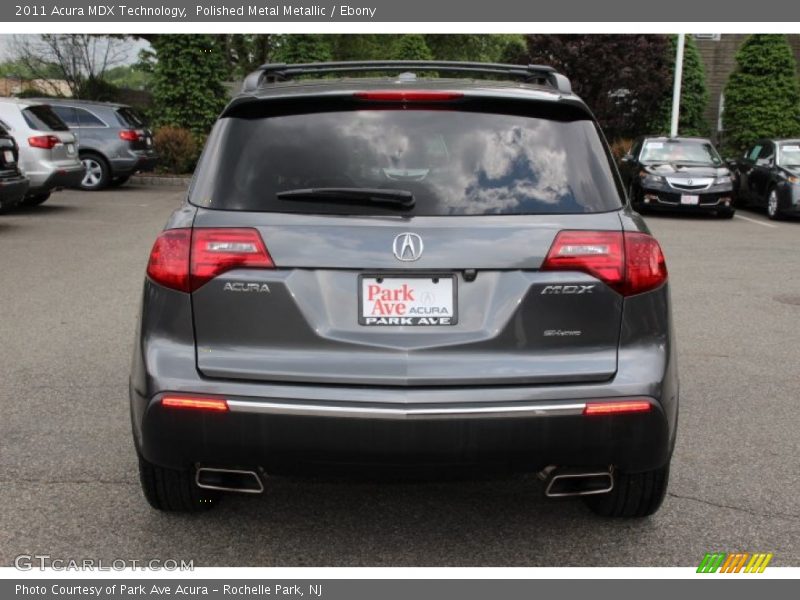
[{"x": 394, "y": 271}]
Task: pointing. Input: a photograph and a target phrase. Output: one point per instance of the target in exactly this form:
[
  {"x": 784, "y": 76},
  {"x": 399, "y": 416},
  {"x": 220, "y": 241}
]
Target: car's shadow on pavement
[
  {"x": 358, "y": 522},
  {"x": 44, "y": 209}
]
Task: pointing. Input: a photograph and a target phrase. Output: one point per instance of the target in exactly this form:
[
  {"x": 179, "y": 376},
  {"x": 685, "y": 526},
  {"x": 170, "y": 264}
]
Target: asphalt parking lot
[{"x": 70, "y": 279}]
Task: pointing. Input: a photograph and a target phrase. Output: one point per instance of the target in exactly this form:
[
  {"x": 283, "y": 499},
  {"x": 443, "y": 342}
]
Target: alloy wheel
[{"x": 93, "y": 173}]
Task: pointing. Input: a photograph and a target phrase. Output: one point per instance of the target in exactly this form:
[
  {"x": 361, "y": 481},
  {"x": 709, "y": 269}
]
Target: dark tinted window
[
  {"x": 87, "y": 119},
  {"x": 130, "y": 118},
  {"x": 67, "y": 114},
  {"x": 42, "y": 118},
  {"x": 454, "y": 162},
  {"x": 766, "y": 152}
]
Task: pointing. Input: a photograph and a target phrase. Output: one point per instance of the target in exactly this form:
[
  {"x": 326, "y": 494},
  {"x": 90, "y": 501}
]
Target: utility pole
[{"x": 676, "y": 88}]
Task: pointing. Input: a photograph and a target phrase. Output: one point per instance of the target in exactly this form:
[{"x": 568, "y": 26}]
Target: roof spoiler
[{"x": 272, "y": 73}]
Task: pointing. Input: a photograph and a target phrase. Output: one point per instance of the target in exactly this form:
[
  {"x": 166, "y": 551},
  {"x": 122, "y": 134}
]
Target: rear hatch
[
  {"x": 366, "y": 289},
  {"x": 133, "y": 121},
  {"x": 57, "y": 140}
]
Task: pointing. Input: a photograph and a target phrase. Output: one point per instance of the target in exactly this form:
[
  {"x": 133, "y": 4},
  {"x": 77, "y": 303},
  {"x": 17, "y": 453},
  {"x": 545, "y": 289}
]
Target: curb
[{"x": 175, "y": 181}]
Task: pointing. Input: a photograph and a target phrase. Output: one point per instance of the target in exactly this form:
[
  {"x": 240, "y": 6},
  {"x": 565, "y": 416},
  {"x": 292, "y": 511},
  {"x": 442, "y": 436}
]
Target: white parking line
[{"x": 756, "y": 221}]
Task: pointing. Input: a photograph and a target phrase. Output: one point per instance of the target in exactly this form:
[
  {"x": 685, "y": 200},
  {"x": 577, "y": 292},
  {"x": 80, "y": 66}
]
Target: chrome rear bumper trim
[{"x": 409, "y": 412}]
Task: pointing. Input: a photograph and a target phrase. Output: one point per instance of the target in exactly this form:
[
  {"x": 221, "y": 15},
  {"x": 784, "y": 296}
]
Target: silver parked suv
[
  {"x": 114, "y": 140},
  {"x": 406, "y": 271},
  {"x": 48, "y": 152}
]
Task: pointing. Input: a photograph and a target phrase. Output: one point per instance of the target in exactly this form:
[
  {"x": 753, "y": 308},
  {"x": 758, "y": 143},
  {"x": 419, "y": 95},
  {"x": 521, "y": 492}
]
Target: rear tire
[
  {"x": 35, "y": 200},
  {"x": 97, "y": 173},
  {"x": 173, "y": 490},
  {"x": 635, "y": 495}
]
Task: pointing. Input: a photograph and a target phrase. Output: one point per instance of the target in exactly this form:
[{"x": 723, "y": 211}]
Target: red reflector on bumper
[
  {"x": 216, "y": 404},
  {"x": 614, "y": 408}
]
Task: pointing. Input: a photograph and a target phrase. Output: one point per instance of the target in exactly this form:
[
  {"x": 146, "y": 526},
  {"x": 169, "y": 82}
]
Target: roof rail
[{"x": 271, "y": 73}]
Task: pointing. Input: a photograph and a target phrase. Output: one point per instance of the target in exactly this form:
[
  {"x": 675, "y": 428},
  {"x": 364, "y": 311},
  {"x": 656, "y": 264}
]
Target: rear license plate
[
  {"x": 690, "y": 200},
  {"x": 70, "y": 148},
  {"x": 148, "y": 141},
  {"x": 8, "y": 156},
  {"x": 407, "y": 300}
]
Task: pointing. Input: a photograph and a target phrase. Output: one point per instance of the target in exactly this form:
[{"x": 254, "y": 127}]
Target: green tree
[
  {"x": 187, "y": 81},
  {"x": 762, "y": 97},
  {"x": 411, "y": 47},
  {"x": 694, "y": 93},
  {"x": 471, "y": 47},
  {"x": 303, "y": 48}
]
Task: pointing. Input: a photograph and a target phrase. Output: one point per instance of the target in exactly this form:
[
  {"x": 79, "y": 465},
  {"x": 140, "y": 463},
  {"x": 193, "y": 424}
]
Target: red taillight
[
  {"x": 616, "y": 408},
  {"x": 129, "y": 135},
  {"x": 46, "y": 142},
  {"x": 408, "y": 96},
  {"x": 628, "y": 262},
  {"x": 645, "y": 267},
  {"x": 215, "y": 251},
  {"x": 169, "y": 259},
  {"x": 185, "y": 259},
  {"x": 215, "y": 404}
]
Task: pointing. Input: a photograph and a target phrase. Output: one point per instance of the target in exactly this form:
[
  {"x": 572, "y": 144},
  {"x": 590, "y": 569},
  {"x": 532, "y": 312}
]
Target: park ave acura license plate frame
[{"x": 416, "y": 300}]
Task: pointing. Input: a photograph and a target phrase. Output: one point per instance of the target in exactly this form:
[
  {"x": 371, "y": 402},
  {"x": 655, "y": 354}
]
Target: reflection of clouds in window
[
  {"x": 453, "y": 162},
  {"x": 515, "y": 166}
]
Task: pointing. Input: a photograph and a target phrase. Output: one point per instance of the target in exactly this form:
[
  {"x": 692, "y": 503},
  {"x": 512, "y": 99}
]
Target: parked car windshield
[
  {"x": 453, "y": 162},
  {"x": 42, "y": 118},
  {"x": 663, "y": 151},
  {"x": 789, "y": 155}
]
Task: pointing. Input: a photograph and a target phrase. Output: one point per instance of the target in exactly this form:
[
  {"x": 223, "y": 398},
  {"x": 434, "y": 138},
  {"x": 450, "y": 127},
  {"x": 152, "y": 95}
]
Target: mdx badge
[
  {"x": 407, "y": 247},
  {"x": 568, "y": 289}
]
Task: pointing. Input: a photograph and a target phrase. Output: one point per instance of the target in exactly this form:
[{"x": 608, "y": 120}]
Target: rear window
[
  {"x": 42, "y": 118},
  {"x": 130, "y": 118},
  {"x": 453, "y": 162}
]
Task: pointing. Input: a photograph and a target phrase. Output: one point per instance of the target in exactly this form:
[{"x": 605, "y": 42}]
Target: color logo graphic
[{"x": 737, "y": 562}]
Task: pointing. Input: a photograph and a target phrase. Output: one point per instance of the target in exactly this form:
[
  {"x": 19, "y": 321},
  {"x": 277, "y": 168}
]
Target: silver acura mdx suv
[
  {"x": 48, "y": 151},
  {"x": 396, "y": 270}
]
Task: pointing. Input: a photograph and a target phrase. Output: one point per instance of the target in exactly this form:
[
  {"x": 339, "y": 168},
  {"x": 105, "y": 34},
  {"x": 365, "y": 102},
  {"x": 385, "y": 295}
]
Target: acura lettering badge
[{"x": 407, "y": 247}]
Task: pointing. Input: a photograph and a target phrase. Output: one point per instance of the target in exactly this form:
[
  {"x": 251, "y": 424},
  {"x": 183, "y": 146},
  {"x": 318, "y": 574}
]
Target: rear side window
[
  {"x": 130, "y": 118},
  {"x": 453, "y": 162},
  {"x": 67, "y": 114},
  {"x": 42, "y": 118}
]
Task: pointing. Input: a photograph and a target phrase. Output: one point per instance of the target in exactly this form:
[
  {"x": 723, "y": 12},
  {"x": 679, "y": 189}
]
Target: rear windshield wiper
[{"x": 401, "y": 198}]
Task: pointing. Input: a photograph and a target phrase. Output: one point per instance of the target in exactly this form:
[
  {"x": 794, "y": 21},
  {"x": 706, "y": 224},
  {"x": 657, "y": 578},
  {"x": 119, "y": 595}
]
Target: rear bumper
[
  {"x": 134, "y": 163},
  {"x": 58, "y": 178},
  {"x": 285, "y": 436},
  {"x": 12, "y": 191}
]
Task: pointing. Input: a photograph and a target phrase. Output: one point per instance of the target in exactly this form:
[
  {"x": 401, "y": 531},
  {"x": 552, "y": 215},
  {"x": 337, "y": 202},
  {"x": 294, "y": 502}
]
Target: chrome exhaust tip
[
  {"x": 577, "y": 482},
  {"x": 229, "y": 480}
]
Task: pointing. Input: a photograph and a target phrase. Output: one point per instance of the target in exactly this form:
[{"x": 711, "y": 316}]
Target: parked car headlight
[
  {"x": 723, "y": 179},
  {"x": 648, "y": 179},
  {"x": 793, "y": 180}
]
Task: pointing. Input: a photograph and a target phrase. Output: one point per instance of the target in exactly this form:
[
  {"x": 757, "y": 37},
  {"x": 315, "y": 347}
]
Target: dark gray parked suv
[
  {"x": 406, "y": 272},
  {"x": 114, "y": 140}
]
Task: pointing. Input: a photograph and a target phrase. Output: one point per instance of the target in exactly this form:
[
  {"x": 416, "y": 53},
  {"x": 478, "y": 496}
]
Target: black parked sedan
[
  {"x": 768, "y": 175},
  {"x": 13, "y": 184},
  {"x": 678, "y": 173}
]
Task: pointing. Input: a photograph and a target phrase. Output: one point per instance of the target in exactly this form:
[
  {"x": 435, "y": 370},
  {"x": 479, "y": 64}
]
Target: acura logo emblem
[
  {"x": 407, "y": 247},
  {"x": 690, "y": 182}
]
